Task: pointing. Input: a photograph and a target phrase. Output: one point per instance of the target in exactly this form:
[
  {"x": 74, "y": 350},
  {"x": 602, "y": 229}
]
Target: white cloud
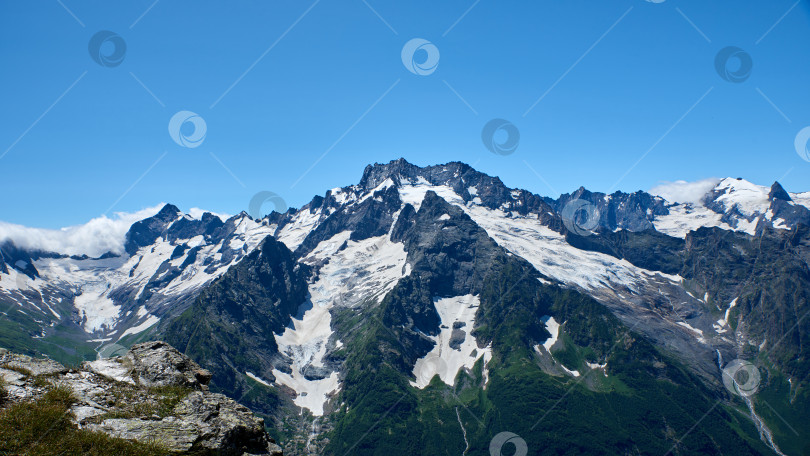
[
  {"x": 197, "y": 213},
  {"x": 94, "y": 238},
  {"x": 684, "y": 192}
]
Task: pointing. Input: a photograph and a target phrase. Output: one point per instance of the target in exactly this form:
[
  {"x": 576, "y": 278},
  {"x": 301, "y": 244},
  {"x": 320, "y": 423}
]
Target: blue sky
[{"x": 298, "y": 96}]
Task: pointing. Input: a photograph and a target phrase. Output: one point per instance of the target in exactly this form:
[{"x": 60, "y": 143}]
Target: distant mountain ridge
[{"x": 419, "y": 282}]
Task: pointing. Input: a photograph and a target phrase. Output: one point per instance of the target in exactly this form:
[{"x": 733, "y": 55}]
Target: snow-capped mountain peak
[
  {"x": 165, "y": 260},
  {"x": 420, "y": 272},
  {"x": 168, "y": 257},
  {"x": 738, "y": 205},
  {"x": 750, "y": 199}
]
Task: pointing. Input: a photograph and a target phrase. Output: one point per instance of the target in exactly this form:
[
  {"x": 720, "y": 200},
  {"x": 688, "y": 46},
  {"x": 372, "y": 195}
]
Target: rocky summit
[
  {"x": 153, "y": 394},
  {"x": 431, "y": 310}
]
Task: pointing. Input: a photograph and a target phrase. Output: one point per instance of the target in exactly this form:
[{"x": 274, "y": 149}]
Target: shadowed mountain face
[
  {"x": 234, "y": 319},
  {"x": 426, "y": 310}
]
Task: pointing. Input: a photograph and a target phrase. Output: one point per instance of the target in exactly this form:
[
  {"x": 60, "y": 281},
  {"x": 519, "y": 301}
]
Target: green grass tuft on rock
[{"x": 44, "y": 427}]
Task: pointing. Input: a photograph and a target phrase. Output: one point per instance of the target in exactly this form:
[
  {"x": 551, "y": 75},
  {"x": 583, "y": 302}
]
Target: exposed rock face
[
  {"x": 35, "y": 366},
  {"x": 457, "y": 338},
  {"x": 152, "y": 393},
  {"x": 152, "y": 364},
  {"x": 461, "y": 177},
  {"x": 160, "y": 364},
  {"x": 202, "y": 421},
  {"x": 18, "y": 259},
  {"x": 145, "y": 232},
  {"x": 241, "y": 311}
]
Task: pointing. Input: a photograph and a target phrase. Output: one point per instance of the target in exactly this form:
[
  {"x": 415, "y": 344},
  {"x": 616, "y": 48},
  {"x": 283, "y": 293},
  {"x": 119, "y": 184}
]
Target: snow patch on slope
[
  {"x": 550, "y": 254},
  {"x": 414, "y": 193},
  {"x": 802, "y": 199},
  {"x": 16, "y": 286},
  {"x": 148, "y": 323},
  {"x": 554, "y": 328},
  {"x": 683, "y": 218},
  {"x": 93, "y": 281},
  {"x": 444, "y": 360},
  {"x": 305, "y": 342},
  {"x": 544, "y": 248},
  {"x": 361, "y": 271},
  {"x": 698, "y": 333},
  {"x": 96, "y": 309},
  {"x": 294, "y": 233},
  {"x": 722, "y": 324},
  {"x": 596, "y": 366},
  {"x": 256, "y": 378}
]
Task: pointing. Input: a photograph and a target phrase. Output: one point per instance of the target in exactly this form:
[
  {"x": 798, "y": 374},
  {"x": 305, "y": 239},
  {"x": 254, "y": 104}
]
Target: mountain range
[{"x": 433, "y": 310}]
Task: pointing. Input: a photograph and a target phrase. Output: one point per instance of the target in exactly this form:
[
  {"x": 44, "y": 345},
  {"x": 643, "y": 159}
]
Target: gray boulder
[
  {"x": 33, "y": 365},
  {"x": 160, "y": 364},
  {"x": 202, "y": 421},
  {"x": 153, "y": 393}
]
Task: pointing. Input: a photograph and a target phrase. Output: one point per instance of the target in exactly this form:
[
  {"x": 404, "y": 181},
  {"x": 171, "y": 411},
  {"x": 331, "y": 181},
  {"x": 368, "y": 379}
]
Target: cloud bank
[
  {"x": 94, "y": 238},
  {"x": 684, "y": 192},
  {"x": 197, "y": 213}
]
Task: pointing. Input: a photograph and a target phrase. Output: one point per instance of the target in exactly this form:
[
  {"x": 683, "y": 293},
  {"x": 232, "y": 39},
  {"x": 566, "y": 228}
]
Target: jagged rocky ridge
[
  {"x": 165, "y": 262},
  {"x": 367, "y": 212},
  {"x": 361, "y": 296},
  {"x": 112, "y": 396}
]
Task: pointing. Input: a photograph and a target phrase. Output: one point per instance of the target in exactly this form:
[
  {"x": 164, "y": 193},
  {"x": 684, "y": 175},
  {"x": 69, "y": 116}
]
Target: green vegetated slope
[
  {"x": 21, "y": 333},
  {"x": 648, "y": 403},
  {"x": 784, "y": 408},
  {"x": 767, "y": 274},
  {"x": 230, "y": 328},
  {"x": 768, "y": 278},
  {"x": 644, "y": 402}
]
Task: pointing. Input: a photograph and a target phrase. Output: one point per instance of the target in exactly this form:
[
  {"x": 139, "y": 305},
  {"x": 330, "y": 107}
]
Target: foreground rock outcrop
[{"x": 153, "y": 394}]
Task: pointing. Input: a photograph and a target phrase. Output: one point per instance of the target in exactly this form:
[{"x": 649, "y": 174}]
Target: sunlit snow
[
  {"x": 363, "y": 270},
  {"x": 444, "y": 360},
  {"x": 554, "y": 328}
]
